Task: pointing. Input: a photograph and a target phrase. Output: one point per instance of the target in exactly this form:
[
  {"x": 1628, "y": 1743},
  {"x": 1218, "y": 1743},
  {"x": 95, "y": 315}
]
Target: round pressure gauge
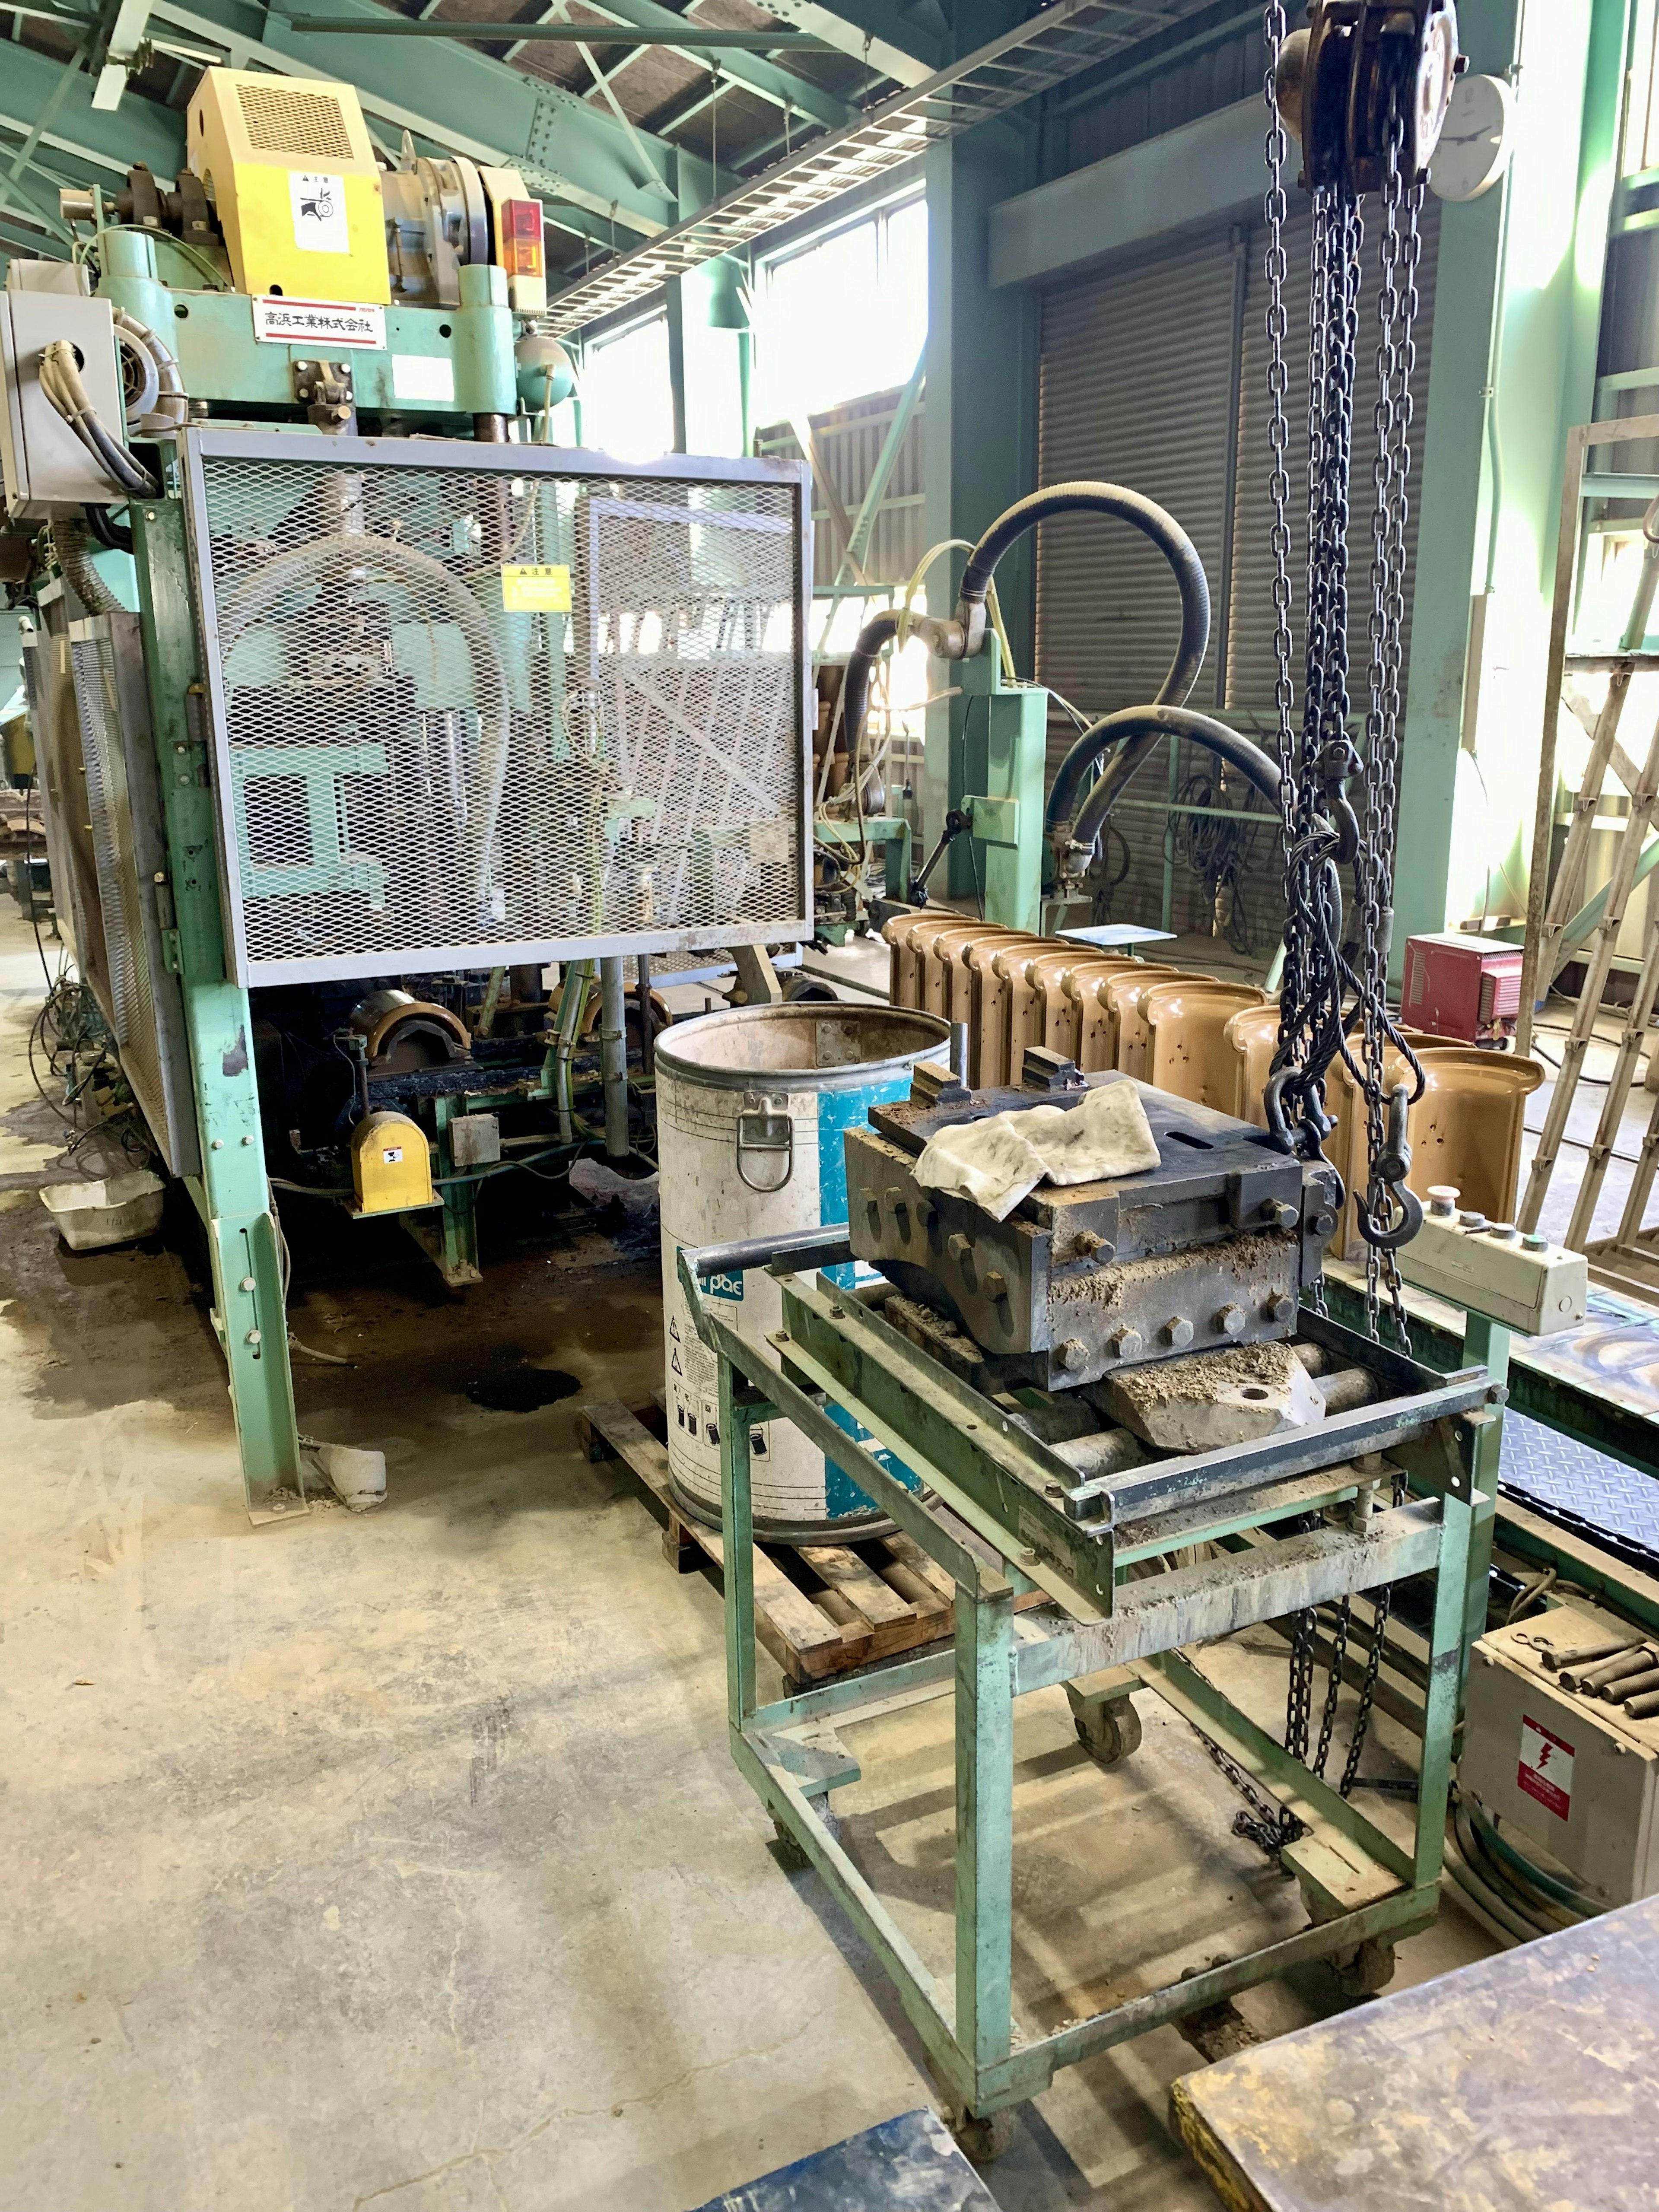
[{"x": 1477, "y": 140}]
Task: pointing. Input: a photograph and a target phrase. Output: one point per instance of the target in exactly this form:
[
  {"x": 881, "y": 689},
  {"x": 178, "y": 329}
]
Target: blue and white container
[{"x": 751, "y": 1108}]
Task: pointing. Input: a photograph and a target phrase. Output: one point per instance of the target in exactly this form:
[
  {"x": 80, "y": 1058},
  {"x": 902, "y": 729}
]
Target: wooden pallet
[{"x": 819, "y": 1609}]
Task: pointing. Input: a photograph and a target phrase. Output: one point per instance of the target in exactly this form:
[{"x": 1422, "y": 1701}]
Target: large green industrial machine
[{"x": 358, "y": 704}]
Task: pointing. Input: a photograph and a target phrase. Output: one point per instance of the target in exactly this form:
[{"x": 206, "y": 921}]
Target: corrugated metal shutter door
[
  {"x": 1136, "y": 376},
  {"x": 1250, "y": 666}
]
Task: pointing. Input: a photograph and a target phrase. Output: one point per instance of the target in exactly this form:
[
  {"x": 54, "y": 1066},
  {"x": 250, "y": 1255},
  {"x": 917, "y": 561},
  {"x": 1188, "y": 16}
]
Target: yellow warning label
[{"x": 529, "y": 589}]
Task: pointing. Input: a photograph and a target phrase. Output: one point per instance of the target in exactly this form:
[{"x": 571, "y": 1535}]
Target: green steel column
[
  {"x": 980, "y": 443},
  {"x": 709, "y": 339},
  {"x": 1487, "y": 1341},
  {"x": 1444, "y": 1689},
  {"x": 1002, "y": 759},
  {"x": 450, "y": 1240},
  {"x": 985, "y": 1824},
  {"x": 249, "y": 1313},
  {"x": 1488, "y": 477}
]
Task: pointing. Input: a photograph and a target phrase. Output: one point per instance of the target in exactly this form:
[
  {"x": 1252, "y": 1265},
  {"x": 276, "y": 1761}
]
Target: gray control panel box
[{"x": 47, "y": 470}]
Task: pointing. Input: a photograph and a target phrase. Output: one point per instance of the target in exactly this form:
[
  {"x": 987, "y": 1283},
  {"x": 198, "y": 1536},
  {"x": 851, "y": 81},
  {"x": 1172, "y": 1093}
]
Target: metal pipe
[
  {"x": 692, "y": 36},
  {"x": 1104, "y": 1453},
  {"x": 1348, "y": 1387},
  {"x": 613, "y": 1056},
  {"x": 825, "y": 1248},
  {"x": 1631, "y": 1685},
  {"x": 572, "y": 995},
  {"x": 648, "y": 1043},
  {"x": 1574, "y": 1672},
  {"x": 527, "y": 984},
  {"x": 1586, "y": 1655},
  {"x": 1614, "y": 1670}
]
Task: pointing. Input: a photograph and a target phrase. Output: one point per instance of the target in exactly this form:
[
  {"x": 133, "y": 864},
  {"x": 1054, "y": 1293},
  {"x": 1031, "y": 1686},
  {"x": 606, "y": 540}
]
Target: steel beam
[
  {"x": 560, "y": 33},
  {"x": 493, "y": 114},
  {"x": 249, "y": 1316},
  {"x": 121, "y": 50},
  {"x": 867, "y": 32},
  {"x": 1203, "y": 172},
  {"x": 737, "y": 65}
]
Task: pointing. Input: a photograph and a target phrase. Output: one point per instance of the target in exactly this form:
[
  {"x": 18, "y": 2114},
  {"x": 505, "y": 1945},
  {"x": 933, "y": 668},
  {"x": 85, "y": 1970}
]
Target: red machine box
[{"x": 1462, "y": 987}]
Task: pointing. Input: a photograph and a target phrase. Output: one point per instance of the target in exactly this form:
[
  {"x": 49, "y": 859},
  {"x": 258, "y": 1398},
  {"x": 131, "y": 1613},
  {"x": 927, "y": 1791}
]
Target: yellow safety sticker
[{"x": 531, "y": 589}]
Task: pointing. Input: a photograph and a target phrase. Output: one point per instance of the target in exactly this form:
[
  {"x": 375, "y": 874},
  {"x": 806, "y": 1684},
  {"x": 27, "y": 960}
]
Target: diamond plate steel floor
[{"x": 1568, "y": 1477}]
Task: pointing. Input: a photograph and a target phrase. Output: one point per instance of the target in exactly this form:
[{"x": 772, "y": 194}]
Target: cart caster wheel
[
  {"x": 1368, "y": 1970},
  {"x": 1109, "y": 1733},
  {"x": 983, "y": 2137},
  {"x": 788, "y": 1853}
]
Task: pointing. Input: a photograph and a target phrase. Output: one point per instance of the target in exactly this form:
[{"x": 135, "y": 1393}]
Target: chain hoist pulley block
[{"x": 1359, "y": 64}]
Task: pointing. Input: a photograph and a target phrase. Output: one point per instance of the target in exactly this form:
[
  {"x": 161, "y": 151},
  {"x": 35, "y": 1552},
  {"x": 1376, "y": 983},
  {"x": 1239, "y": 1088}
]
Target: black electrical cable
[
  {"x": 115, "y": 536},
  {"x": 1218, "y": 851},
  {"x": 28, "y": 878}
]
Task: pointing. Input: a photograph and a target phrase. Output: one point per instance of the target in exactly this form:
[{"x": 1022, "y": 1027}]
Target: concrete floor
[{"x": 399, "y": 1861}]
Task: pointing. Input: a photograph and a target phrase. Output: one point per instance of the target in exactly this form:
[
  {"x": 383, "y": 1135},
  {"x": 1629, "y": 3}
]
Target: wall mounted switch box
[{"x": 47, "y": 470}]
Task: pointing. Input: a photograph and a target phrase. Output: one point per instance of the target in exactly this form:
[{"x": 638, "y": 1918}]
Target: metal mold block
[{"x": 1209, "y": 1249}]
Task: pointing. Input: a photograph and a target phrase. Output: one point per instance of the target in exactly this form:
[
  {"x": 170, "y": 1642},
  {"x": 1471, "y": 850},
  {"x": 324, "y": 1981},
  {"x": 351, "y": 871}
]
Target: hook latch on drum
[{"x": 765, "y": 1131}]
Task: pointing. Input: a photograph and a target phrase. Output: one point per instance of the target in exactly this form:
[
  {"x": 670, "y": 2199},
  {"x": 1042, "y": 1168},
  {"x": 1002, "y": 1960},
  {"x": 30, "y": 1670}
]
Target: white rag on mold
[{"x": 999, "y": 1161}]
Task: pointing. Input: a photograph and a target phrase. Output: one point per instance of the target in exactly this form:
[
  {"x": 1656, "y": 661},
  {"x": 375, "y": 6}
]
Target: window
[
  {"x": 843, "y": 315},
  {"x": 628, "y": 400}
]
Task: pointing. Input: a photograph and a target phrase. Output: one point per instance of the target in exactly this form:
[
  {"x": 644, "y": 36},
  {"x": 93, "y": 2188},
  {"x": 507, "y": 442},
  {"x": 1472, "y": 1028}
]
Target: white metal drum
[{"x": 752, "y": 1105}]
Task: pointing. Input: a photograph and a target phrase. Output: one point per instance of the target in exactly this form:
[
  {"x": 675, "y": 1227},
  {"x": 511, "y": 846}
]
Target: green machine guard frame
[{"x": 232, "y": 1194}]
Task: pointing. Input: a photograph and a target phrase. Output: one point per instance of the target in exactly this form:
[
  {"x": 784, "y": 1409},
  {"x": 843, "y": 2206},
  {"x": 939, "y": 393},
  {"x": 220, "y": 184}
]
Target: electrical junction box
[
  {"x": 390, "y": 1165},
  {"x": 475, "y": 1139},
  {"x": 1558, "y": 1771},
  {"x": 47, "y": 469},
  {"x": 1462, "y": 987},
  {"x": 294, "y": 183}
]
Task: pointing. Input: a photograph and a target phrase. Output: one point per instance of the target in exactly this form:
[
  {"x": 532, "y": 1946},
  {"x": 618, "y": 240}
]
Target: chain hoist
[{"x": 1365, "y": 89}]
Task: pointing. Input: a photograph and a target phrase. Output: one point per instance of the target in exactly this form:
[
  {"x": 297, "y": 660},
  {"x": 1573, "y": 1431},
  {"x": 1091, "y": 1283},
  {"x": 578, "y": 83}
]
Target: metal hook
[{"x": 1387, "y": 1188}]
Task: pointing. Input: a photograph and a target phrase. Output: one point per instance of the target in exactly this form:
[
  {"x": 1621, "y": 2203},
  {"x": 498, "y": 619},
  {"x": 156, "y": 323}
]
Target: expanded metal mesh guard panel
[
  {"x": 143, "y": 1006},
  {"x": 475, "y": 704}
]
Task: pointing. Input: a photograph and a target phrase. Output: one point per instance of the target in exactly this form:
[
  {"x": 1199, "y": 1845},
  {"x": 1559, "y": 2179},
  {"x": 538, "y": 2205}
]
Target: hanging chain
[
  {"x": 1279, "y": 427},
  {"x": 1385, "y": 1102},
  {"x": 1317, "y": 758},
  {"x": 1331, "y": 1004}
]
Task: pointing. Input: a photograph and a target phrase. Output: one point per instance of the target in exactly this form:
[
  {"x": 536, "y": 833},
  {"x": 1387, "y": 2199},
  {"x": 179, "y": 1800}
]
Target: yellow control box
[
  {"x": 391, "y": 1166},
  {"x": 294, "y": 183}
]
